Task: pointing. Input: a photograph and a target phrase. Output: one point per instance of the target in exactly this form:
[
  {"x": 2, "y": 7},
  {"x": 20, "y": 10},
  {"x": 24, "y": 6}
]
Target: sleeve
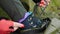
[{"x": 5, "y": 25}]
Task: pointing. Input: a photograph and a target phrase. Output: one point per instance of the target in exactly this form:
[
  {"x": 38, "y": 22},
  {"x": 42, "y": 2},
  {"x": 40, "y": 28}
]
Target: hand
[{"x": 9, "y": 26}]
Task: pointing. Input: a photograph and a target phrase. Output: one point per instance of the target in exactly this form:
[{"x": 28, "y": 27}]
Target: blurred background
[{"x": 52, "y": 10}]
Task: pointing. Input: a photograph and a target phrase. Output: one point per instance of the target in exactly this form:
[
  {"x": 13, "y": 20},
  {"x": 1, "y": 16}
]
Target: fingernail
[{"x": 21, "y": 25}]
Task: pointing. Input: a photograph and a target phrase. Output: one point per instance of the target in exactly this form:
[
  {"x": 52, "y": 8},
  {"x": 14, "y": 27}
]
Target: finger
[
  {"x": 18, "y": 25},
  {"x": 15, "y": 28},
  {"x": 11, "y": 30}
]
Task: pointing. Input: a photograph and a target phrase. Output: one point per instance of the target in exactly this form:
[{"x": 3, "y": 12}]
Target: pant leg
[{"x": 13, "y": 8}]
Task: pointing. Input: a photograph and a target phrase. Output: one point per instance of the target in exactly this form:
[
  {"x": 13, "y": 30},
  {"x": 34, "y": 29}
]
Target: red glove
[
  {"x": 7, "y": 26},
  {"x": 42, "y": 3}
]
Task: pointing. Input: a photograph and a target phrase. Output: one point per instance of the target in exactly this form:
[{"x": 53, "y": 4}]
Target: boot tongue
[{"x": 25, "y": 16}]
